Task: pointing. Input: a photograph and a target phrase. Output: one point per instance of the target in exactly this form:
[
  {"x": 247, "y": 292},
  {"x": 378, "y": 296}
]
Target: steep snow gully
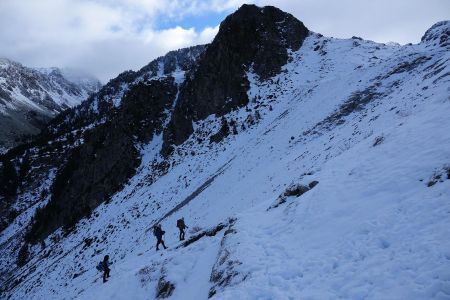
[{"x": 368, "y": 123}]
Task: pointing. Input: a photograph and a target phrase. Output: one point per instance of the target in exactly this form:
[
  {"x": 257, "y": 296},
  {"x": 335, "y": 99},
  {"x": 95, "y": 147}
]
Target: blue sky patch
[{"x": 199, "y": 22}]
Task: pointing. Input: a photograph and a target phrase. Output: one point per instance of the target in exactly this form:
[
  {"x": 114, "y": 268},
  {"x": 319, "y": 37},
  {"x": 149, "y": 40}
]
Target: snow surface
[{"x": 371, "y": 228}]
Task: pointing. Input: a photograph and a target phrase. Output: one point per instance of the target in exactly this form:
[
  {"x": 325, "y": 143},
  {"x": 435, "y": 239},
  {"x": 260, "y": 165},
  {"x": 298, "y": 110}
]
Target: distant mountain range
[{"x": 30, "y": 97}]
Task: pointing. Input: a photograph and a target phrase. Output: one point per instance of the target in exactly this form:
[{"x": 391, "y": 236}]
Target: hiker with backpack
[
  {"x": 105, "y": 266},
  {"x": 182, "y": 227},
  {"x": 158, "y": 232}
]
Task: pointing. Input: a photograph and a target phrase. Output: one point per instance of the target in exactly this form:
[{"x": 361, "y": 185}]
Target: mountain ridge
[{"x": 29, "y": 97}]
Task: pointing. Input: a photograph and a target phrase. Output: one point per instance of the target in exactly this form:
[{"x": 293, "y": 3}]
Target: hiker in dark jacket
[
  {"x": 182, "y": 227},
  {"x": 106, "y": 269},
  {"x": 158, "y": 232}
]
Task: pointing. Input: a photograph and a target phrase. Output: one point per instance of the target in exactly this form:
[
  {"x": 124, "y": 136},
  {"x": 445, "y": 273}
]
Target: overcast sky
[{"x": 106, "y": 37}]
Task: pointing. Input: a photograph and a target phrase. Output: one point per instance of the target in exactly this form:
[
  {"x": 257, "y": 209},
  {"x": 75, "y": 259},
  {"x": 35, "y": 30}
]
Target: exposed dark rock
[
  {"x": 9, "y": 186},
  {"x": 252, "y": 37},
  {"x": 295, "y": 190},
  {"x": 408, "y": 65},
  {"x": 78, "y": 274},
  {"x": 87, "y": 242},
  {"x": 439, "y": 176},
  {"x": 9, "y": 181},
  {"x": 446, "y": 74},
  {"x": 23, "y": 255},
  {"x": 434, "y": 69},
  {"x": 225, "y": 270},
  {"x": 378, "y": 140},
  {"x": 439, "y": 33},
  {"x": 223, "y": 132},
  {"x": 312, "y": 184},
  {"x": 148, "y": 273},
  {"x": 431, "y": 183},
  {"x": 356, "y": 102},
  {"x": 164, "y": 288},
  {"x": 209, "y": 232}
]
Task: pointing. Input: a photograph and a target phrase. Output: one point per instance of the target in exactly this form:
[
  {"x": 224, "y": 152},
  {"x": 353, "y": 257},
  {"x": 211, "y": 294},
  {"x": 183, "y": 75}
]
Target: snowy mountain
[
  {"x": 29, "y": 98},
  {"x": 306, "y": 167}
]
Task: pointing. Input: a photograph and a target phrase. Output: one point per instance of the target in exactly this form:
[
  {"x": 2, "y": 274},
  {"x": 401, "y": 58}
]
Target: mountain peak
[
  {"x": 438, "y": 33},
  {"x": 253, "y": 32},
  {"x": 252, "y": 39}
]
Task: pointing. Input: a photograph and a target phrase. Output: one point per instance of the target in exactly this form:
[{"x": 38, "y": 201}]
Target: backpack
[
  {"x": 158, "y": 232},
  {"x": 155, "y": 231},
  {"x": 100, "y": 267},
  {"x": 180, "y": 223}
]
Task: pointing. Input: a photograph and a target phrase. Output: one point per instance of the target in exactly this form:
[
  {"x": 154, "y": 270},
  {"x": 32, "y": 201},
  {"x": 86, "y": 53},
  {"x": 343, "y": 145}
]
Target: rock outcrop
[{"x": 252, "y": 39}]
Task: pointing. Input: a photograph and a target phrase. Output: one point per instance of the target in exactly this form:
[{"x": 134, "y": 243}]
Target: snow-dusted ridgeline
[{"x": 30, "y": 97}]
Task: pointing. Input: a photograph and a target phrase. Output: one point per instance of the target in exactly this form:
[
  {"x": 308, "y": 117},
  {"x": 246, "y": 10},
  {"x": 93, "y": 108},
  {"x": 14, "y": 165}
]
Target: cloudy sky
[{"x": 106, "y": 37}]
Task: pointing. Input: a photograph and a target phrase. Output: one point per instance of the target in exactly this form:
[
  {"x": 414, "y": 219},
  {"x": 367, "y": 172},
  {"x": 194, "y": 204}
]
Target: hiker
[
  {"x": 158, "y": 232},
  {"x": 106, "y": 268},
  {"x": 182, "y": 226}
]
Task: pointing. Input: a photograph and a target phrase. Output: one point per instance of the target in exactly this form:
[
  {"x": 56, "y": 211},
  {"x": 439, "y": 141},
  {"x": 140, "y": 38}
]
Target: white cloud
[
  {"x": 400, "y": 21},
  {"x": 102, "y": 37},
  {"x": 110, "y": 36}
]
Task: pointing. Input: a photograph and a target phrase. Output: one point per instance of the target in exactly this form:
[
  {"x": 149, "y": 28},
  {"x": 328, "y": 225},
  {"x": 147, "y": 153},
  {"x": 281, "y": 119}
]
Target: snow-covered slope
[
  {"x": 333, "y": 182},
  {"x": 30, "y": 97}
]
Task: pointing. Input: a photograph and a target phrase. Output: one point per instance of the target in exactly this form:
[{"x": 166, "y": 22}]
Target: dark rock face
[
  {"x": 223, "y": 132},
  {"x": 251, "y": 38},
  {"x": 23, "y": 256},
  {"x": 108, "y": 158}
]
